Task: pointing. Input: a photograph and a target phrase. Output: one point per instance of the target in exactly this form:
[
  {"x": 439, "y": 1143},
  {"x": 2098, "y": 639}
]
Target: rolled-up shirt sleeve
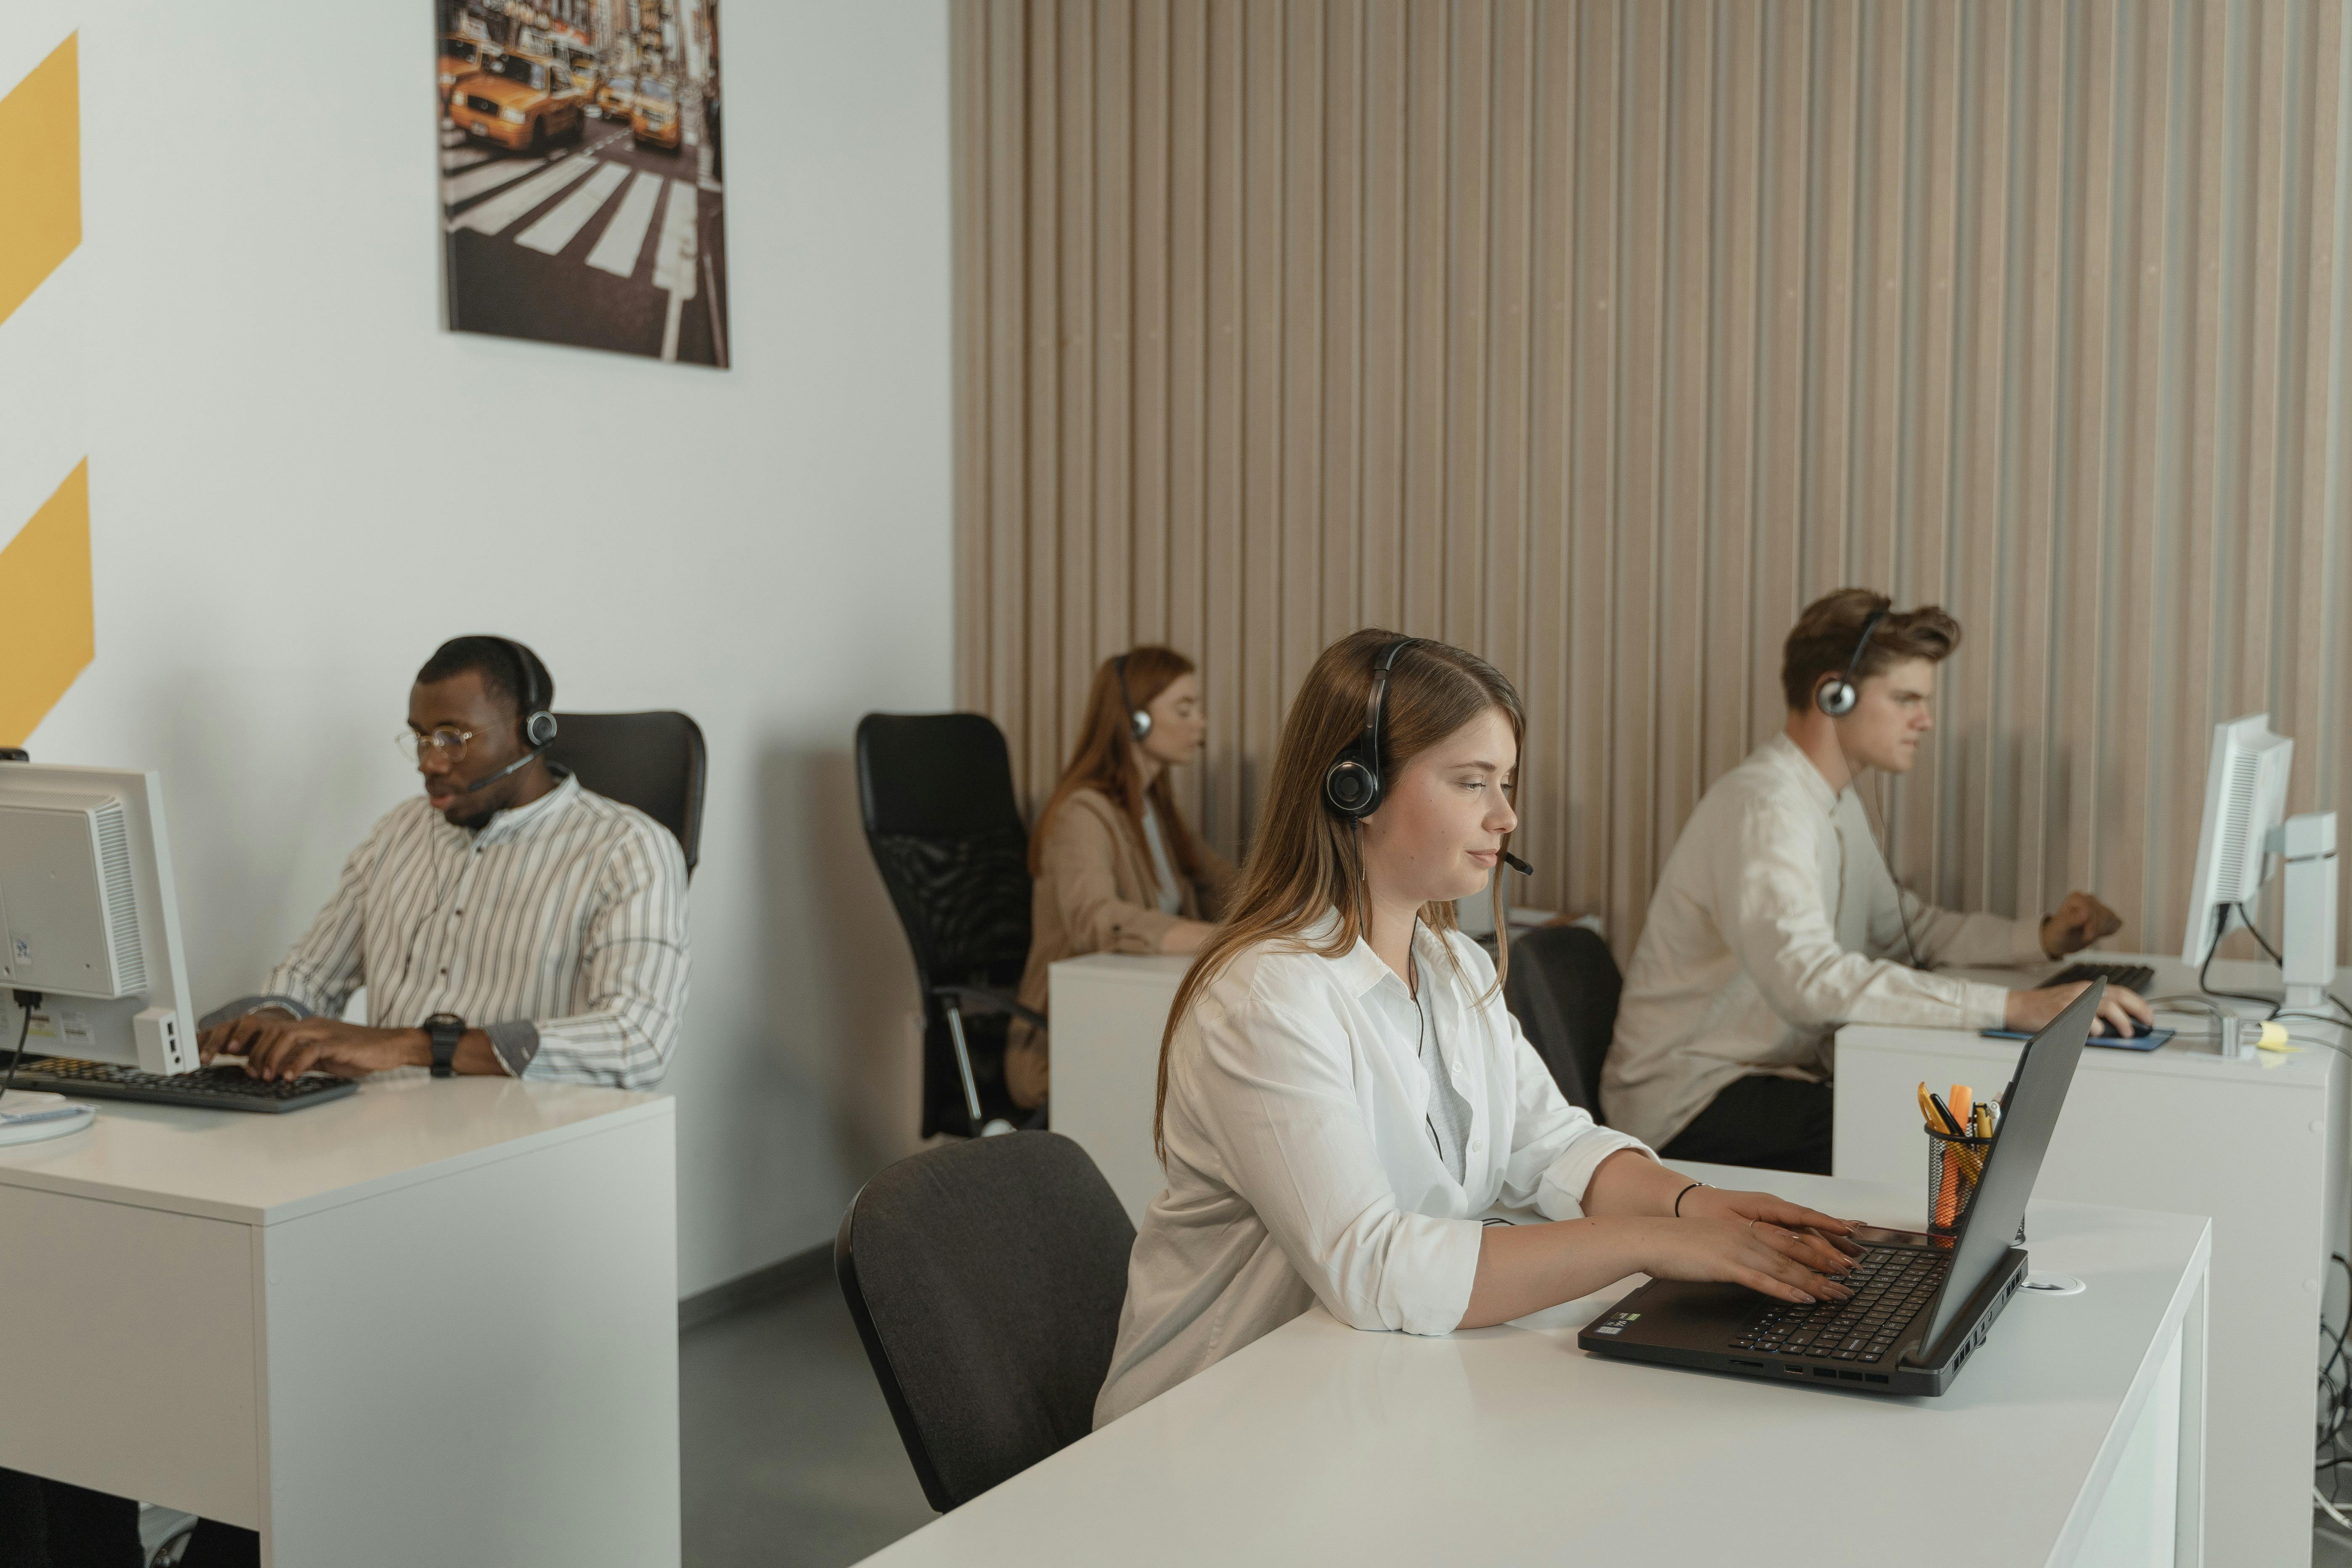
[
  {"x": 1555, "y": 1146},
  {"x": 1291, "y": 1134}
]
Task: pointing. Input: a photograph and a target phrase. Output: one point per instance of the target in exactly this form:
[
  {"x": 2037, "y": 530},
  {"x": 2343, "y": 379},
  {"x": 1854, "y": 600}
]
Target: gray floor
[{"x": 790, "y": 1458}]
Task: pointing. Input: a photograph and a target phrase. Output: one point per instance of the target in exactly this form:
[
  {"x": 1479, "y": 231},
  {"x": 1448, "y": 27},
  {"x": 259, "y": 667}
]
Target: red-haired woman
[{"x": 1117, "y": 867}]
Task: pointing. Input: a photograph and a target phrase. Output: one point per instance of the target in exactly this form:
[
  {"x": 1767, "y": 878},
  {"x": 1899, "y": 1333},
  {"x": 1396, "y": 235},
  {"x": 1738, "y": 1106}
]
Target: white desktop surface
[
  {"x": 434, "y": 1321},
  {"x": 256, "y": 1168},
  {"x": 2257, "y": 1145},
  {"x": 1324, "y": 1443}
]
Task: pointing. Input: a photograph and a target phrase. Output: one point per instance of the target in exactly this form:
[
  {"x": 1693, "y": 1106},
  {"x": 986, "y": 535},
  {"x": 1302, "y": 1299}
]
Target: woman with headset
[
  {"x": 1116, "y": 867},
  {"x": 1342, "y": 1093}
]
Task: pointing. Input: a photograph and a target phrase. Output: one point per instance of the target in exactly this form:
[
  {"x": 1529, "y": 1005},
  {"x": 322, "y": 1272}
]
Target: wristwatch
[{"x": 445, "y": 1030}]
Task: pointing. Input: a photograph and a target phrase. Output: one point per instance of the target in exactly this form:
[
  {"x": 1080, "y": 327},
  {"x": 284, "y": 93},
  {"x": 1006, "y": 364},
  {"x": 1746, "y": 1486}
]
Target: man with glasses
[{"x": 508, "y": 921}]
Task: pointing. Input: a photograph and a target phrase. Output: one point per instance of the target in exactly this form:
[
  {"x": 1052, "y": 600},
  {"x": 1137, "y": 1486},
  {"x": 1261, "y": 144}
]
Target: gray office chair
[
  {"x": 985, "y": 1278},
  {"x": 1563, "y": 989},
  {"x": 654, "y": 762}
]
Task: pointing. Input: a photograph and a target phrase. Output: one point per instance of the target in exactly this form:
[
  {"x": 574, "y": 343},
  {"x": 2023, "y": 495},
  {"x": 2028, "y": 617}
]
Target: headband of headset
[
  {"x": 1837, "y": 697},
  {"x": 1138, "y": 722},
  {"x": 1353, "y": 785},
  {"x": 537, "y": 723}
]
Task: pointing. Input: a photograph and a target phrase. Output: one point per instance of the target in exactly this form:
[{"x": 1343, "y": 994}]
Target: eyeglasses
[{"x": 447, "y": 743}]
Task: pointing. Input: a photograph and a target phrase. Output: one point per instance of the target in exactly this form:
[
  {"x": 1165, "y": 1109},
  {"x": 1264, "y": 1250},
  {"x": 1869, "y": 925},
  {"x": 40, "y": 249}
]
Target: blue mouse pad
[{"x": 2146, "y": 1040}]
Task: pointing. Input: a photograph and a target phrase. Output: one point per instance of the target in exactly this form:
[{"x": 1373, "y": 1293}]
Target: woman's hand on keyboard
[{"x": 1822, "y": 1243}]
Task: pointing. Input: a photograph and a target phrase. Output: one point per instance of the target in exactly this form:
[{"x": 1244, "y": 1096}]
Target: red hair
[{"x": 1105, "y": 759}]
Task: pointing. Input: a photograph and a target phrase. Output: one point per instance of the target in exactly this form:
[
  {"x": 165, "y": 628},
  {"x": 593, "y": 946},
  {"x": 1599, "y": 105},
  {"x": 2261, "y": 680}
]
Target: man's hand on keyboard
[{"x": 274, "y": 1046}]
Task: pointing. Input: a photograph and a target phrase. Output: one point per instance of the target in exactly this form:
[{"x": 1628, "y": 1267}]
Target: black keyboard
[
  {"x": 1891, "y": 1286},
  {"x": 216, "y": 1088},
  {"x": 2131, "y": 976}
]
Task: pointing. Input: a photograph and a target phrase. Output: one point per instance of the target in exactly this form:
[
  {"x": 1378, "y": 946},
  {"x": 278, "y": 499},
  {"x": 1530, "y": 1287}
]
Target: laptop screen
[{"x": 2028, "y": 1115}]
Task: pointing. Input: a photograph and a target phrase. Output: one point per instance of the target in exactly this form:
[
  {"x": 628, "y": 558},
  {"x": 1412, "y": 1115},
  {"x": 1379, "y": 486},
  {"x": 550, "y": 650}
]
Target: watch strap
[{"x": 444, "y": 1030}]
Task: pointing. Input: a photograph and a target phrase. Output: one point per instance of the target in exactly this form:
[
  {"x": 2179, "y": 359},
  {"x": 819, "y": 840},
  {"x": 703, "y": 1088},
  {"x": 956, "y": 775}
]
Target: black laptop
[{"x": 1922, "y": 1304}]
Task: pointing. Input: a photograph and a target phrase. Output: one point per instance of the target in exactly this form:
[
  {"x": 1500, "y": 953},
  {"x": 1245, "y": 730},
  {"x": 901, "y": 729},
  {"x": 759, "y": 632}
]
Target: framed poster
[{"x": 582, "y": 170}]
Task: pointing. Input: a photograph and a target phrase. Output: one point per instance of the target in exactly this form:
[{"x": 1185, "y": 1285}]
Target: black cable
[
  {"x": 26, "y": 1001},
  {"x": 2220, "y": 928},
  {"x": 2264, "y": 942}
]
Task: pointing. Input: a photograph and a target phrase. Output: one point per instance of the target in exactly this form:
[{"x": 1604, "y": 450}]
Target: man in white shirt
[{"x": 1776, "y": 920}]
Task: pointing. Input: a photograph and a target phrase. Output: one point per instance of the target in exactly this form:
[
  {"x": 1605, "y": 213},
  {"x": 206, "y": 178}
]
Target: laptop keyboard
[{"x": 1891, "y": 1284}]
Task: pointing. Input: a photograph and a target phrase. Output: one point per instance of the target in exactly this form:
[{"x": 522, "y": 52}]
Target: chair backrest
[
  {"x": 936, "y": 790},
  {"x": 985, "y": 1278},
  {"x": 654, "y": 762},
  {"x": 1563, "y": 989}
]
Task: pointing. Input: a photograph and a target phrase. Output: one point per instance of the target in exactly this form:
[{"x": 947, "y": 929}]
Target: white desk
[
  {"x": 435, "y": 1322},
  {"x": 2074, "y": 1437},
  {"x": 1109, "y": 1010},
  {"x": 2258, "y": 1146}
]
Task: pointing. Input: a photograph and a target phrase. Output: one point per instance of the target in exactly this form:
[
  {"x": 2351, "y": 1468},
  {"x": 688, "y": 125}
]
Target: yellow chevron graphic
[
  {"x": 45, "y": 633},
  {"x": 40, "y": 174},
  {"x": 45, "y": 624}
]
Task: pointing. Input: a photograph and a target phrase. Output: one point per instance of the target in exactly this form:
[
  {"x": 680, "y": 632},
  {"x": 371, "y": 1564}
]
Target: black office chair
[
  {"x": 985, "y": 1280},
  {"x": 936, "y": 790},
  {"x": 1563, "y": 989},
  {"x": 654, "y": 762}
]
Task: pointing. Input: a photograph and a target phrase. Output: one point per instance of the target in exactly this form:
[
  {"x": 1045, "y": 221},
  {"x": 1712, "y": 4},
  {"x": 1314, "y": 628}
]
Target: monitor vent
[
  {"x": 2237, "y": 817},
  {"x": 121, "y": 899}
]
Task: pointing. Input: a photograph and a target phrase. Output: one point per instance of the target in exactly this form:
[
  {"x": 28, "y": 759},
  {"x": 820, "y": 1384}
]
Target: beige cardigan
[{"x": 1095, "y": 892}]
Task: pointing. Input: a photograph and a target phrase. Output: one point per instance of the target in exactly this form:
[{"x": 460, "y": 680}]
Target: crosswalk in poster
[{"x": 582, "y": 174}]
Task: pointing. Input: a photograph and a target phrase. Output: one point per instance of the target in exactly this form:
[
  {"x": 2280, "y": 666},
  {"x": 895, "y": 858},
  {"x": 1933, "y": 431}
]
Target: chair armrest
[{"x": 981, "y": 999}]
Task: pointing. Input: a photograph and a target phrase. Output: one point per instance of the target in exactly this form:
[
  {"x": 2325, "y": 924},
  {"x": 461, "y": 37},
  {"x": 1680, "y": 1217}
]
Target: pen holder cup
[{"x": 1954, "y": 1167}]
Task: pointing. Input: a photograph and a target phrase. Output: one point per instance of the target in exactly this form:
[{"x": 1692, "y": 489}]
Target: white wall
[{"x": 301, "y": 484}]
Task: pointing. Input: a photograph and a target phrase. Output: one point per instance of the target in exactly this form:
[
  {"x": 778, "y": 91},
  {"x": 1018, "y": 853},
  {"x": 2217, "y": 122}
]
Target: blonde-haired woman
[
  {"x": 1116, "y": 867},
  {"x": 1343, "y": 1092}
]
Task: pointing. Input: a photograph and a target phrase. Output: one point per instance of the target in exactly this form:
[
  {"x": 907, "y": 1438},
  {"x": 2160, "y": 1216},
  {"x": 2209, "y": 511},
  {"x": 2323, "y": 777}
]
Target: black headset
[
  {"x": 1837, "y": 699},
  {"x": 1353, "y": 785},
  {"x": 537, "y": 723},
  {"x": 1138, "y": 722}
]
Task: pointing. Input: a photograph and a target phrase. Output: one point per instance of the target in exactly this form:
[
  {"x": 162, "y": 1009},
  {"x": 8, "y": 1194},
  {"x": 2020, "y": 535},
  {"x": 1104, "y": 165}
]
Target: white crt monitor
[
  {"x": 2245, "y": 801},
  {"x": 89, "y": 918}
]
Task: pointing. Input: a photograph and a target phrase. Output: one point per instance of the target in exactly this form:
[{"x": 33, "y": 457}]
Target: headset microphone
[
  {"x": 1515, "y": 864},
  {"x": 518, "y": 763}
]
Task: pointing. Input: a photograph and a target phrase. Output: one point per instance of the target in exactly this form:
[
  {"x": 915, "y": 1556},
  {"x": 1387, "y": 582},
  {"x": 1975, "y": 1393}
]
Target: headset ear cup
[
  {"x": 1350, "y": 788},
  {"x": 540, "y": 728},
  {"x": 1138, "y": 723},
  {"x": 1836, "y": 699}
]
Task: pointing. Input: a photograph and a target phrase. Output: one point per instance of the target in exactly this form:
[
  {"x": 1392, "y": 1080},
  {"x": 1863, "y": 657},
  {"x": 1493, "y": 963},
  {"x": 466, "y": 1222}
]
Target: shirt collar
[
  {"x": 1361, "y": 970},
  {"x": 519, "y": 821},
  {"x": 1792, "y": 759}
]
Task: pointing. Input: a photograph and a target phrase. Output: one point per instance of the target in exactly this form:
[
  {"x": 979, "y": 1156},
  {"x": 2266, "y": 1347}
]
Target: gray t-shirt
[
  {"x": 1171, "y": 897},
  {"x": 1449, "y": 1113}
]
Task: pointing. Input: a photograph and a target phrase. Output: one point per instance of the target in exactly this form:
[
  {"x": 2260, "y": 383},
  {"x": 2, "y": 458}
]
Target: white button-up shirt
[
  {"x": 1300, "y": 1165},
  {"x": 1774, "y": 923}
]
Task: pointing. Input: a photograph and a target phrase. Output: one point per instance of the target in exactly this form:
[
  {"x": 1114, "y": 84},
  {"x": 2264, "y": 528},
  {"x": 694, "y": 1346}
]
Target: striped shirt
[{"x": 558, "y": 927}]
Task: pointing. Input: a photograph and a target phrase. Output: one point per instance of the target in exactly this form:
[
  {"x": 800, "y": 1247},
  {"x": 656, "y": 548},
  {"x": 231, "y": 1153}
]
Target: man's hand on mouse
[{"x": 2121, "y": 1012}]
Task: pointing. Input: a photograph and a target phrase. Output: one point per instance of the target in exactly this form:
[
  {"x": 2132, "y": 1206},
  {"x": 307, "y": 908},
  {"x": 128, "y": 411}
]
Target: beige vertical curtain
[{"x": 1601, "y": 337}]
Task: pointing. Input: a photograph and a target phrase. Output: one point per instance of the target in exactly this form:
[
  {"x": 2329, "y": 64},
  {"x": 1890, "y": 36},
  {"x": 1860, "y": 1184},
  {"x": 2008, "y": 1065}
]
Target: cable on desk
[
  {"x": 26, "y": 1001},
  {"x": 2220, "y": 928}
]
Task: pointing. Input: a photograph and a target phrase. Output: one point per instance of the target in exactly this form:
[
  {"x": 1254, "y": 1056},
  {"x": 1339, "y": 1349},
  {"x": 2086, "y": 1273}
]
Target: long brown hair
[
  {"x": 1105, "y": 760},
  {"x": 1305, "y": 862}
]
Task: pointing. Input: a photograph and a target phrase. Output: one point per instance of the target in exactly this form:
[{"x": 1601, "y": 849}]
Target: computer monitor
[
  {"x": 89, "y": 918},
  {"x": 2245, "y": 804}
]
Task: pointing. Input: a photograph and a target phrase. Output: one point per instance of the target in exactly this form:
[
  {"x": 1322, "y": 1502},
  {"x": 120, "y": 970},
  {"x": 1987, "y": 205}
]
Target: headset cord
[{"x": 1878, "y": 841}]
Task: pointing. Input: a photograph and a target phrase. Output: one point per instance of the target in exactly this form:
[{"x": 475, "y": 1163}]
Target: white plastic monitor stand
[{"x": 2307, "y": 942}]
